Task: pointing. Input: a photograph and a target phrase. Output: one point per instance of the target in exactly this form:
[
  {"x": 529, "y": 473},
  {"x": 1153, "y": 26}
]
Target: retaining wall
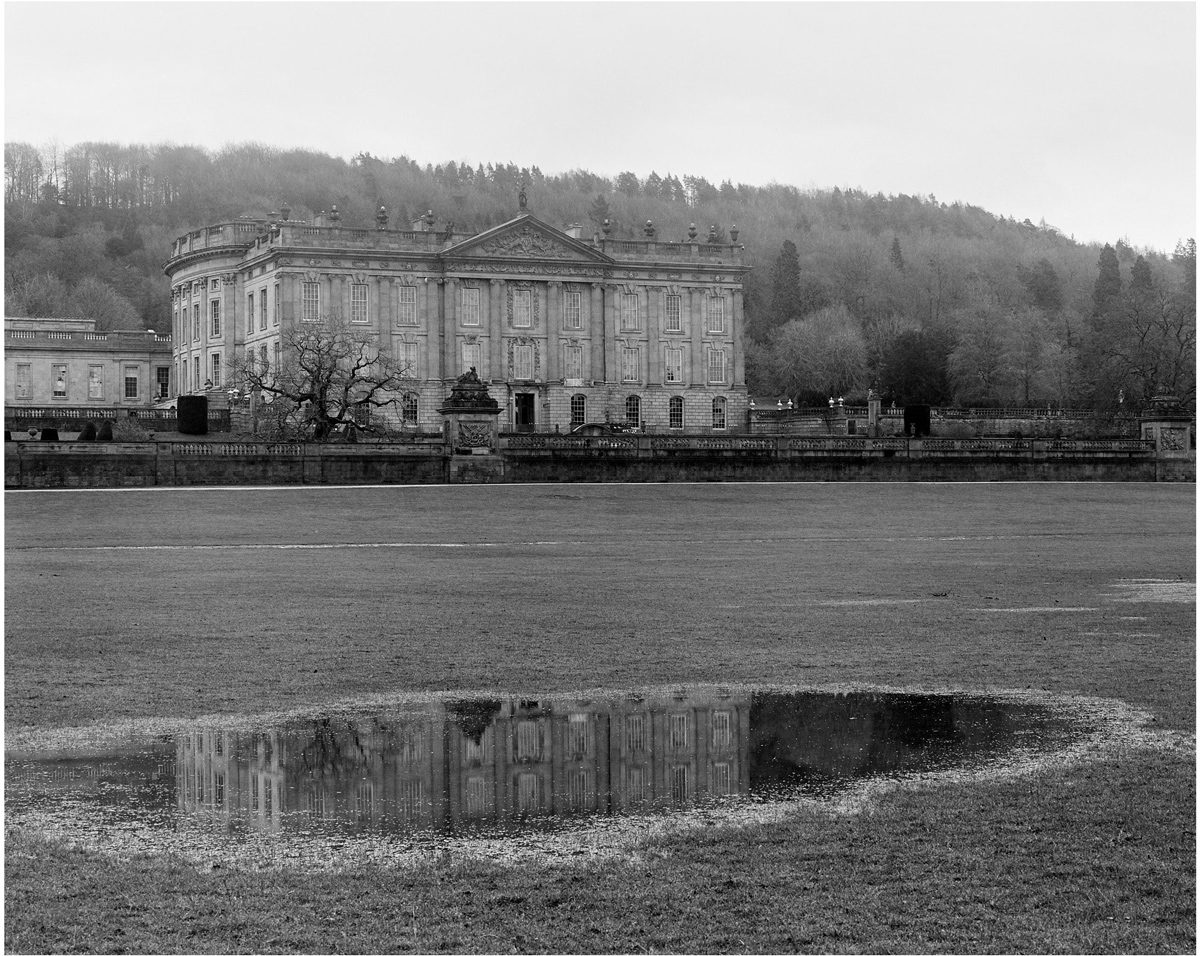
[{"x": 554, "y": 458}]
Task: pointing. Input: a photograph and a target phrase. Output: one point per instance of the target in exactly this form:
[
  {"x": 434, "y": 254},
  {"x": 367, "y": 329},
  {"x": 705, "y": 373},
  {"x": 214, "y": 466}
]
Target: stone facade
[
  {"x": 67, "y": 363},
  {"x": 561, "y": 330}
]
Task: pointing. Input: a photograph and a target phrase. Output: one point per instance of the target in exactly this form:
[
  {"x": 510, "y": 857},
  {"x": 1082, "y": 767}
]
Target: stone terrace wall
[{"x": 554, "y": 458}]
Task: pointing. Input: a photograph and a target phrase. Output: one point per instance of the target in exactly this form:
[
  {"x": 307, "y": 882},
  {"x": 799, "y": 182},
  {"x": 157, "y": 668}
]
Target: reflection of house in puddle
[
  {"x": 493, "y": 764},
  {"x": 470, "y": 764}
]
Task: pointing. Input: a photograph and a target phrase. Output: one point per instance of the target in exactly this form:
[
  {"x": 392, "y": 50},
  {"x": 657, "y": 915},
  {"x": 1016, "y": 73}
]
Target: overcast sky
[{"x": 1082, "y": 114}]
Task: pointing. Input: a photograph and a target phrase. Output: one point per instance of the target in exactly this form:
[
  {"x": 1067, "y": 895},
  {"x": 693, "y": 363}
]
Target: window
[
  {"x": 630, "y": 366},
  {"x": 214, "y": 319},
  {"x": 469, "y": 302},
  {"x": 58, "y": 380},
  {"x": 310, "y": 301},
  {"x": 674, "y": 365},
  {"x": 629, "y": 312},
  {"x": 216, "y": 370},
  {"x": 214, "y": 285},
  {"x": 678, "y": 727},
  {"x": 470, "y": 356},
  {"x": 196, "y": 322},
  {"x": 262, "y": 357},
  {"x": 196, "y": 371},
  {"x": 578, "y": 410},
  {"x": 635, "y": 784},
  {"x": 578, "y": 789},
  {"x": 522, "y": 361},
  {"x": 716, "y": 366},
  {"x": 278, "y": 307},
  {"x": 162, "y": 379},
  {"x": 22, "y": 385},
  {"x": 408, "y": 306},
  {"x": 579, "y": 738},
  {"x": 250, "y": 312},
  {"x": 633, "y": 411},
  {"x": 477, "y": 796},
  {"x": 262, "y": 309},
  {"x": 722, "y": 729},
  {"x": 183, "y": 376},
  {"x": 363, "y": 800},
  {"x": 522, "y": 308},
  {"x": 95, "y": 381},
  {"x": 529, "y": 740},
  {"x": 680, "y": 784},
  {"x": 675, "y": 412},
  {"x": 722, "y": 784},
  {"x": 131, "y": 381},
  {"x": 358, "y": 302},
  {"x": 674, "y": 317},
  {"x": 408, "y": 409},
  {"x": 407, "y": 357},
  {"x": 573, "y": 362},
  {"x": 718, "y": 413},
  {"x": 528, "y": 792},
  {"x": 572, "y": 310},
  {"x": 716, "y": 313},
  {"x": 635, "y": 733}
]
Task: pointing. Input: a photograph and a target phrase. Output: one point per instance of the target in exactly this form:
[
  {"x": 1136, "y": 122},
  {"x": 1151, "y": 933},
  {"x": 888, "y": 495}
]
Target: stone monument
[{"x": 472, "y": 428}]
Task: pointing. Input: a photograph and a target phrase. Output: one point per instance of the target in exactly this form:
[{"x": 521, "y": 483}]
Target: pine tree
[
  {"x": 598, "y": 211},
  {"x": 1108, "y": 282},
  {"x": 896, "y": 257},
  {"x": 1141, "y": 280},
  {"x": 786, "y": 295}
]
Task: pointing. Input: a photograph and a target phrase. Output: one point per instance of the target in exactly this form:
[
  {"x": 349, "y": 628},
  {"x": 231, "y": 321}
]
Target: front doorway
[{"x": 524, "y": 411}]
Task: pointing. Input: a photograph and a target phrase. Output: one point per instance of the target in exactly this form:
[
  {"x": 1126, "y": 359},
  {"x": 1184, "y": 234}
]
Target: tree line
[{"x": 920, "y": 299}]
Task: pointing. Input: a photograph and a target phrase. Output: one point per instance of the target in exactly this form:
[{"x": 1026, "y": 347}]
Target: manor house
[{"x": 563, "y": 330}]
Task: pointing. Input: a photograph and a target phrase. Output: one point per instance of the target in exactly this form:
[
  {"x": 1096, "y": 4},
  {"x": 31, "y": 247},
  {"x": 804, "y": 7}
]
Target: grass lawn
[{"x": 180, "y": 603}]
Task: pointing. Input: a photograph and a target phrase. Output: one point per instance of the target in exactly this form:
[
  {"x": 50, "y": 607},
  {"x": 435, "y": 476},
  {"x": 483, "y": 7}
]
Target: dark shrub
[
  {"x": 49, "y": 434},
  {"x": 105, "y": 432},
  {"x": 7, "y": 436},
  {"x": 88, "y": 433}
]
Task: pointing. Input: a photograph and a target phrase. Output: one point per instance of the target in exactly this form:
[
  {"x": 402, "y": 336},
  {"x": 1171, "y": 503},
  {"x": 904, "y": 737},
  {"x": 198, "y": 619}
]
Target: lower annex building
[{"x": 563, "y": 331}]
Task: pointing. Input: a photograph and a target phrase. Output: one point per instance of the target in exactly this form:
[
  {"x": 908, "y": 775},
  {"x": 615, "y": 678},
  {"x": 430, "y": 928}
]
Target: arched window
[
  {"x": 675, "y": 412},
  {"x": 633, "y": 411},
  {"x": 408, "y": 409},
  {"x": 718, "y": 413},
  {"x": 578, "y": 410}
]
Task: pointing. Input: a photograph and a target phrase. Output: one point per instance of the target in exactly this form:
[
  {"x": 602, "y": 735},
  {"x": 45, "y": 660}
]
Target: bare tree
[{"x": 327, "y": 375}]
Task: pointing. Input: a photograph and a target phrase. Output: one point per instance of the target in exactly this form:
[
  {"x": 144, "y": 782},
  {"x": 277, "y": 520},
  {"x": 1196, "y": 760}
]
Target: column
[
  {"x": 612, "y": 306},
  {"x": 380, "y": 294},
  {"x": 739, "y": 342},
  {"x": 696, "y": 335},
  {"x": 495, "y": 329},
  {"x": 427, "y": 321},
  {"x": 552, "y": 372},
  {"x": 654, "y": 370},
  {"x": 596, "y": 334},
  {"x": 449, "y": 328}
]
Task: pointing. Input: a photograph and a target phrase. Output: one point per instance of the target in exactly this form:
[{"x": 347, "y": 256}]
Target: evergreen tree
[
  {"x": 1141, "y": 281},
  {"x": 1108, "y": 283},
  {"x": 896, "y": 257},
  {"x": 786, "y": 295},
  {"x": 1185, "y": 258},
  {"x": 599, "y": 211}
]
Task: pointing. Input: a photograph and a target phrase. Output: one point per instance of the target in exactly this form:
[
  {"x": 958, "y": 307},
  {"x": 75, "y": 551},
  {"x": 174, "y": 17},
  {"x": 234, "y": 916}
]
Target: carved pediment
[{"x": 526, "y": 238}]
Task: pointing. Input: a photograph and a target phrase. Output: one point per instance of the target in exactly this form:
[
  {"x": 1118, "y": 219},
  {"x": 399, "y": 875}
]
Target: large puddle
[{"x": 506, "y": 767}]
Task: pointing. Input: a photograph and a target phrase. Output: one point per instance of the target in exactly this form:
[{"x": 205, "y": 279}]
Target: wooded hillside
[{"x": 929, "y": 301}]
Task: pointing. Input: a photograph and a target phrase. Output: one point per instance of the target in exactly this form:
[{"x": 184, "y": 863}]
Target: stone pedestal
[
  {"x": 472, "y": 428},
  {"x": 1168, "y": 425}
]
